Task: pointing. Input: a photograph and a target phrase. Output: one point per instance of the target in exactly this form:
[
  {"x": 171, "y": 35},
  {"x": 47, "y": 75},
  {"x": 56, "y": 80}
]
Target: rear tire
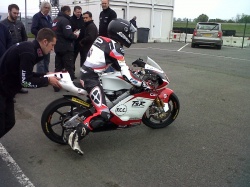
[
  {"x": 54, "y": 116},
  {"x": 166, "y": 118}
]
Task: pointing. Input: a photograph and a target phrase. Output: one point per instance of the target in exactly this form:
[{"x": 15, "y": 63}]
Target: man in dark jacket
[
  {"x": 77, "y": 23},
  {"x": 106, "y": 16},
  {"x": 5, "y": 39},
  {"x": 64, "y": 48},
  {"x": 90, "y": 34},
  {"x": 16, "y": 71},
  {"x": 16, "y": 29},
  {"x": 41, "y": 20},
  {"x": 132, "y": 35}
]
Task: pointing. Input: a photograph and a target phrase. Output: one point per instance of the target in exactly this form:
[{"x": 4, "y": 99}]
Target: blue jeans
[{"x": 43, "y": 65}]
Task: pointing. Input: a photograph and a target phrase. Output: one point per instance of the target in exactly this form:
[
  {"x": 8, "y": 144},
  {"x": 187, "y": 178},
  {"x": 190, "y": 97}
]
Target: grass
[
  {"x": 239, "y": 27},
  {"x": 30, "y": 35}
]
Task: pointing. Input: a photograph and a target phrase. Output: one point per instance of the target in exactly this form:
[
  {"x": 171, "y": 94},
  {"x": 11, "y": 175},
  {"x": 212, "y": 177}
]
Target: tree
[
  {"x": 244, "y": 19},
  {"x": 231, "y": 21},
  {"x": 202, "y": 18}
]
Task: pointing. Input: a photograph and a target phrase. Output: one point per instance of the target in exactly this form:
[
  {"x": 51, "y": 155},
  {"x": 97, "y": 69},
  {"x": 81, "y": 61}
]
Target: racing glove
[{"x": 146, "y": 85}]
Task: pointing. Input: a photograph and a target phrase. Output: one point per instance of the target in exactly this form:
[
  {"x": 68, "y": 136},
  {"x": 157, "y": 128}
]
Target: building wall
[{"x": 157, "y": 15}]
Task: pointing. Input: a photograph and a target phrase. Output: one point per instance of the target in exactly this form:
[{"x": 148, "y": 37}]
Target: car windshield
[{"x": 208, "y": 27}]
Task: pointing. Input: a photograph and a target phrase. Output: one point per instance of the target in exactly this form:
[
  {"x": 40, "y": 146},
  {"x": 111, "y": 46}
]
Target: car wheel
[
  {"x": 218, "y": 46},
  {"x": 193, "y": 45}
]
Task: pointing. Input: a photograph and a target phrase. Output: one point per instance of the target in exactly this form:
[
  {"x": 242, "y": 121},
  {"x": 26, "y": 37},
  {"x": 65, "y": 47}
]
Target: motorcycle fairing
[
  {"x": 164, "y": 96},
  {"x": 131, "y": 109}
]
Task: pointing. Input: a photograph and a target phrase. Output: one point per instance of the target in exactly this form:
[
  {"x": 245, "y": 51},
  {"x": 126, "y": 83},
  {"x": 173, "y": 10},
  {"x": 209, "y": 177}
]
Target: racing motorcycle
[{"x": 129, "y": 105}]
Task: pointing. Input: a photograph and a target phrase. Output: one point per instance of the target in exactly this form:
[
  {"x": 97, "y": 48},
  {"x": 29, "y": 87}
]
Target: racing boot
[
  {"x": 75, "y": 136},
  {"x": 73, "y": 141}
]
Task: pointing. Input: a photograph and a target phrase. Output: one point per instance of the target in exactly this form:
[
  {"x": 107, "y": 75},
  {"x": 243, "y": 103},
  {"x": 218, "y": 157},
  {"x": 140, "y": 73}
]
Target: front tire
[
  {"x": 54, "y": 116},
  {"x": 156, "y": 120}
]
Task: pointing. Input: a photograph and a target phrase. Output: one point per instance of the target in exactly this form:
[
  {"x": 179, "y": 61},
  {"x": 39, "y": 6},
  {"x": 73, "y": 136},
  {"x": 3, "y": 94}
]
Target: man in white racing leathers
[{"x": 103, "y": 53}]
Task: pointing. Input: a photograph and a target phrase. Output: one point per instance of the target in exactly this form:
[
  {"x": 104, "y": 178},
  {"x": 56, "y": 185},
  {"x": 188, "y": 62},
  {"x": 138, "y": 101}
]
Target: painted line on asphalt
[
  {"x": 159, "y": 49},
  {"x": 14, "y": 168},
  {"x": 227, "y": 57},
  {"x": 182, "y": 47}
]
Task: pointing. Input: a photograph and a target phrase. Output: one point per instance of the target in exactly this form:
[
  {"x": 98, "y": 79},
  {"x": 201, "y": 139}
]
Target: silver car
[{"x": 207, "y": 33}]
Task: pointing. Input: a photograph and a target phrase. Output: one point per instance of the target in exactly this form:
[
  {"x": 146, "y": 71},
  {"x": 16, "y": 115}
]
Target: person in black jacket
[
  {"x": 64, "y": 47},
  {"x": 106, "y": 16},
  {"x": 90, "y": 34},
  {"x": 41, "y": 20},
  {"x": 5, "y": 39},
  {"x": 77, "y": 23},
  {"x": 133, "y": 21},
  {"x": 16, "y": 28},
  {"x": 16, "y": 71}
]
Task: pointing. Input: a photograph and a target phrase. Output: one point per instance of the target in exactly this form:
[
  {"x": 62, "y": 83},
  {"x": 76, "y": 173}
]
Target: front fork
[{"x": 162, "y": 99}]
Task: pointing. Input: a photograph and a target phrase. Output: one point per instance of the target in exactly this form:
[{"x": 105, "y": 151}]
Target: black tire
[
  {"x": 193, "y": 45},
  {"x": 218, "y": 47},
  {"x": 53, "y": 117},
  {"x": 162, "y": 121}
]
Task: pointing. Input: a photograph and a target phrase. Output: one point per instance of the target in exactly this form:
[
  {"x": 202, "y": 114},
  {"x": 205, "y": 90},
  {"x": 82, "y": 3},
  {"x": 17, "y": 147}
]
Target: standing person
[
  {"x": 41, "y": 20},
  {"x": 16, "y": 67},
  {"x": 90, "y": 34},
  {"x": 104, "y": 52},
  {"x": 132, "y": 35},
  {"x": 77, "y": 23},
  {"x": 106, "y": 16},
  {"x": 16, "y": 29},
  {"x": 5, "y": 39},
  {"x": 64, "y": 47}
]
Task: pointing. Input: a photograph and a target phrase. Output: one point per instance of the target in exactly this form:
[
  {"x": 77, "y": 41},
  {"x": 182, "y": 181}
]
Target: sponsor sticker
[{"x": 121, "y": 110}]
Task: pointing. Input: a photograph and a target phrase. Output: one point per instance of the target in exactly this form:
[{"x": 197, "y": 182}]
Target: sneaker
[{"x": 73, "y": 142}]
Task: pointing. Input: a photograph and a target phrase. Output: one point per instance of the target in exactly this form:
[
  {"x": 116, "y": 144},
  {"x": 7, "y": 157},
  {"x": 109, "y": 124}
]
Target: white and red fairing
[{"x": 130, "y": 110}]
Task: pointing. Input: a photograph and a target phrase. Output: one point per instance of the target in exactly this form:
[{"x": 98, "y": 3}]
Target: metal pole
[
  {"x": 244, "y": 34},
  {"x": 186, "y": 31},
  {"x": 26, "y": 23}
]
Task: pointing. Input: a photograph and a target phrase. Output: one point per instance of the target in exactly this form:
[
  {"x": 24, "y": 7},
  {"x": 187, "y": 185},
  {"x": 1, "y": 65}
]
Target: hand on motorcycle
[
  {"x": 54, "y": 81},
  {"x": 146, "y": 85}
]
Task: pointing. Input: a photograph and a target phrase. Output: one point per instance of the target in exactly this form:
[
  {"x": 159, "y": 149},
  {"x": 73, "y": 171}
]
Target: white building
[{"x": 157, "y": 15}]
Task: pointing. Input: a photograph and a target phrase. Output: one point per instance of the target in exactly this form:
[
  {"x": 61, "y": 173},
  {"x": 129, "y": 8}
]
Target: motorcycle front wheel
[
  {"x": 155, "y": 119},
  {"x": 54, "y": 116}
]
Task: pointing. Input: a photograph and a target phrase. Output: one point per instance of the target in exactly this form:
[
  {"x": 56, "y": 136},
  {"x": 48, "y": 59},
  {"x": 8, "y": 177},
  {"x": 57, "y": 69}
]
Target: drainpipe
[
  {"x": 152, "y": 19},
  {"x": 128, "y": 12}
]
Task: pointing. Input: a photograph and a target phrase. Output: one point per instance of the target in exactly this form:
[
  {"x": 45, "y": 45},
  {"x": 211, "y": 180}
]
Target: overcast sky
[{"x": 223, "y": 9}]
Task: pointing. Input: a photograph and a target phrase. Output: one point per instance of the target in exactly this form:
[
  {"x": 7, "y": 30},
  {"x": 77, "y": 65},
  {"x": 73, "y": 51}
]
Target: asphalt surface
[{"x": 207, "y": 145}]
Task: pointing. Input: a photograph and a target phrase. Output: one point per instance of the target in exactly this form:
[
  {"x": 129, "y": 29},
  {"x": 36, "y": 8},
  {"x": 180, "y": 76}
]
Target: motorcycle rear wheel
[
  {"x": 54, "y": 116},
  {"x": 156, "y": 121}
]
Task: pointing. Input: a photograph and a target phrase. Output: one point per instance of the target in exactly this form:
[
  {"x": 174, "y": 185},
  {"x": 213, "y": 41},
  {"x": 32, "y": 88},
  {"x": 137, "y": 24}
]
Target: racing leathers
[{"x": 103, "y": 53}]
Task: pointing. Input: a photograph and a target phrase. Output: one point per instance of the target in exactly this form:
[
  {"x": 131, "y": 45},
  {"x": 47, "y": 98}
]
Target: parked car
[{"x": 207, "y": 33}]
